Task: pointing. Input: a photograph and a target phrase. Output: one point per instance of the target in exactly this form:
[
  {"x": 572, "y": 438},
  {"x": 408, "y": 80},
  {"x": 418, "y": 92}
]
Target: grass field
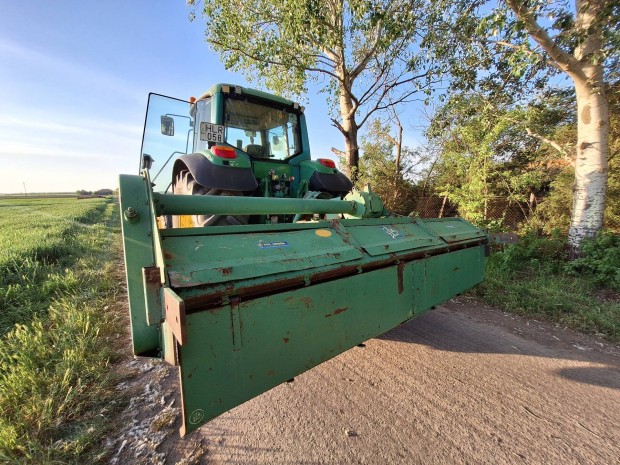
[{"x": 59, "y": 274}]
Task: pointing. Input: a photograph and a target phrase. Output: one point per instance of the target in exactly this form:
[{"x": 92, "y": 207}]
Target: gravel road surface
[{"x": 462, "y": 384}]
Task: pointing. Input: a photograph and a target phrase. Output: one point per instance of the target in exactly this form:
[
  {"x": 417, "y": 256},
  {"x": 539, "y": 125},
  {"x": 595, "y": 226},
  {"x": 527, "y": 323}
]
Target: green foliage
[
  {"x": 285, "y": 43},
  {"x": 600, "y": 259},
  {"x": 572, "y": 301},
  {"x": 498, "y": 41},
  {"x": 55, "y": 350},
  {"x": 535, "y": 277},
  {"x": 482, "y": 154},
  {"x": 554, "y": 209},
  {"x": 534, "y": 252},
  {"x": 367, "y": 57},
  {"x": 521, "y": 46},
  {"x": 389, "y": 172}
]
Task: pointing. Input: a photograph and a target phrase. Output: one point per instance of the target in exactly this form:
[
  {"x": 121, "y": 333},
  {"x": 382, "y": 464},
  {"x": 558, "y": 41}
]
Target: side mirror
[{"x": 167, "y": 125}]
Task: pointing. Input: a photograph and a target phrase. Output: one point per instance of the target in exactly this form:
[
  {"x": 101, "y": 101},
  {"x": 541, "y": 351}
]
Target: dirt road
[{"x": 461, "y": 384}]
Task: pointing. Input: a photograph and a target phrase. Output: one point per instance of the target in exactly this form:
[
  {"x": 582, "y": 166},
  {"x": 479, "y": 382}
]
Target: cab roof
[{"x": 234, "y": 88}]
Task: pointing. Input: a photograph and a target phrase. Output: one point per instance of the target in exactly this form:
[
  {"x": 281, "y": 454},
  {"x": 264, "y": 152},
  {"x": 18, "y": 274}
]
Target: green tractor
[
  {"x": 249, "y": 263},
  {"x": 244, "y": 143}
]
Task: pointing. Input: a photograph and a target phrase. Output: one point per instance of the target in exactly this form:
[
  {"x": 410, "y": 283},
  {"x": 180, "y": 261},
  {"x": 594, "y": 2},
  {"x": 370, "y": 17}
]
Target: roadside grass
[
  {"x": 536, "y": 279},
  {"x": 58, "y": 333}
]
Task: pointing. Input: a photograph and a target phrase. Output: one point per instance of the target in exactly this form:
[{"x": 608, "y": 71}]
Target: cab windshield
[{"x": 262, "y": 131}]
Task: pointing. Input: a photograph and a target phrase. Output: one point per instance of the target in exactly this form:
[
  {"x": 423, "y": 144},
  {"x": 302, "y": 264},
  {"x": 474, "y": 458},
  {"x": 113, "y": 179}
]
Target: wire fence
[{"x": 510, "y": 214}]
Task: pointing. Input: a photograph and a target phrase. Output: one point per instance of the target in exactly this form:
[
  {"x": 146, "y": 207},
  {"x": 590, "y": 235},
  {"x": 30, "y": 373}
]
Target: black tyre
[{"x": 185, "y": 184}]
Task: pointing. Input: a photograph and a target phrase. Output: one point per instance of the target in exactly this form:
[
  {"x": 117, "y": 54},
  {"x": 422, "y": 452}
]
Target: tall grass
[
  {"x": 57, "y": 283},
  {"x": 40, "y": 241}
]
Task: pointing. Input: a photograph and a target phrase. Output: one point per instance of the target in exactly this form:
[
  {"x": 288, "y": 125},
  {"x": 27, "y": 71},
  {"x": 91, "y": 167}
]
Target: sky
[{"x": 74, "y": 82}]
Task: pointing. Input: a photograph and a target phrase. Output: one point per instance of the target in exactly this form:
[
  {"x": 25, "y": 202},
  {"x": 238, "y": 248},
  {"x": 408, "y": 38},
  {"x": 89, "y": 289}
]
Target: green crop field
[{"x": 59, "y": 274}]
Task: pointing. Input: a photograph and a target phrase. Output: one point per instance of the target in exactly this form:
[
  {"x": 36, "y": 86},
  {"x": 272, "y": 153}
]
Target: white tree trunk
[
  {"x": 590, "y": 185},
  {"x": 585, "y": 68}
]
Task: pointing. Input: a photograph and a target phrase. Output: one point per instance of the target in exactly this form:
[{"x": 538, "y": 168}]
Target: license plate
[{"x": 212, "y": 132}]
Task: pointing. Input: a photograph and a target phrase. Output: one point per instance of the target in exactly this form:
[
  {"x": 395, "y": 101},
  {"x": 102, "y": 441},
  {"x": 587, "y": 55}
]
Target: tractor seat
[
  {"x": 257, "y": 151},
  {"x": 254, "y": 150}
]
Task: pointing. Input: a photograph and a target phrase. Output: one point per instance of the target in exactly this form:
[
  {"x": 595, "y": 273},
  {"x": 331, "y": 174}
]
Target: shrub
[
  {"x": 600, "y": 260},
  {"x": 533, "y": 251}
]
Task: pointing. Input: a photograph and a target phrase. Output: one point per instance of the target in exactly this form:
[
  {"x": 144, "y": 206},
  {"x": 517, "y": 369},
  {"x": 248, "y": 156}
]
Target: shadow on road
[{"x": 471, "y": 328}]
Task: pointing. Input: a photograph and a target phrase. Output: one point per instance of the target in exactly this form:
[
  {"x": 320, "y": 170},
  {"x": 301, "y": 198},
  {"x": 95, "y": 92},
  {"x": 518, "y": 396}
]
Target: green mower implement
[{"x": 249, "y": 263}]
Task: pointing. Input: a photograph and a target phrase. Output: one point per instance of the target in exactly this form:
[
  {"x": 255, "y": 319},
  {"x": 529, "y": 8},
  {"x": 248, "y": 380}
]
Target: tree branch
[
  {"x": 529, "y": 52},
  {"x": 565, "y": 60},
  {"x": 549, "y": 142}
]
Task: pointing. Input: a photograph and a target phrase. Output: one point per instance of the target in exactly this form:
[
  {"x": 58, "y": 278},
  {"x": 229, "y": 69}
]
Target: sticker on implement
[
  {"x": 323, "y": 232},
  {"x": 211, "y": 132},
  {"x": 272, "y": 245},
  {"x": 196, "y": 416},
  {"x": 393, "y": 233}
]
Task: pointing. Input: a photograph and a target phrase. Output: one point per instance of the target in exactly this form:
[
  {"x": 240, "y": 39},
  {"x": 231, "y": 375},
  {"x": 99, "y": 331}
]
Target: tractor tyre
[{"x": 185, "y": 184}]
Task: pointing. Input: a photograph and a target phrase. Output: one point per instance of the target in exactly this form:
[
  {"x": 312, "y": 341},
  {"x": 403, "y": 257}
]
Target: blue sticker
[
  {"x": 272, "y": 245},
  {"x": 393, "y": 233}
]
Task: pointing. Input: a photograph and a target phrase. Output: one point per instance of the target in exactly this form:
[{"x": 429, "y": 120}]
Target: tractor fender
[
  {"x": 330, "y": 182},
  {"x": 215, "y": 176}
]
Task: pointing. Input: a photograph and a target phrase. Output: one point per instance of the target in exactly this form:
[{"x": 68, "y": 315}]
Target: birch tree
[{"x": 522, "y": 45}]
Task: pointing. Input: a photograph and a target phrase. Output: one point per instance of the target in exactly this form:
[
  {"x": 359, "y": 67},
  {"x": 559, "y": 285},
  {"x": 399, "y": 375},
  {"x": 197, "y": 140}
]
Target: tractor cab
[
  {"x": 260, "y": 128},
  {"x": 235, "y": 141}
]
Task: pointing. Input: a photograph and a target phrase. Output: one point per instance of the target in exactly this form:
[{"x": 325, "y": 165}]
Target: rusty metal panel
[
  {"x": 389, "y": 237},
  {"x": 237, "y": 351},
  {"x": 453, "y": 230},
  {"x": 282, "y": 335},
  {"x": 194, "y": 260},
  {"x": 151, "y": 278}
]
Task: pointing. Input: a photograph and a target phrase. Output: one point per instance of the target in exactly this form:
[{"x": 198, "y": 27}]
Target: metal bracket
[
  {"x": 151, "y": 279},
  {"x": 175, "y": 315}
]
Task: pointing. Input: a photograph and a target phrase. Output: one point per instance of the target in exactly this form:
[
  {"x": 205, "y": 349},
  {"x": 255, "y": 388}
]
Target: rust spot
[
  {"x": 307, "y": 301},
  {"x": 285, "y": 340},
  {"x": 337, "y": 311},
  {"x": 168, "y": 255},
  {"x": 456, "y": 268},
  {"x": 226, "y": 271},
  {"x": 271, "y": 373}
]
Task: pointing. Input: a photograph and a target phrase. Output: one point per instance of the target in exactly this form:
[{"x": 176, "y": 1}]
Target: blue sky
[{"x": 74, "y": 81}]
